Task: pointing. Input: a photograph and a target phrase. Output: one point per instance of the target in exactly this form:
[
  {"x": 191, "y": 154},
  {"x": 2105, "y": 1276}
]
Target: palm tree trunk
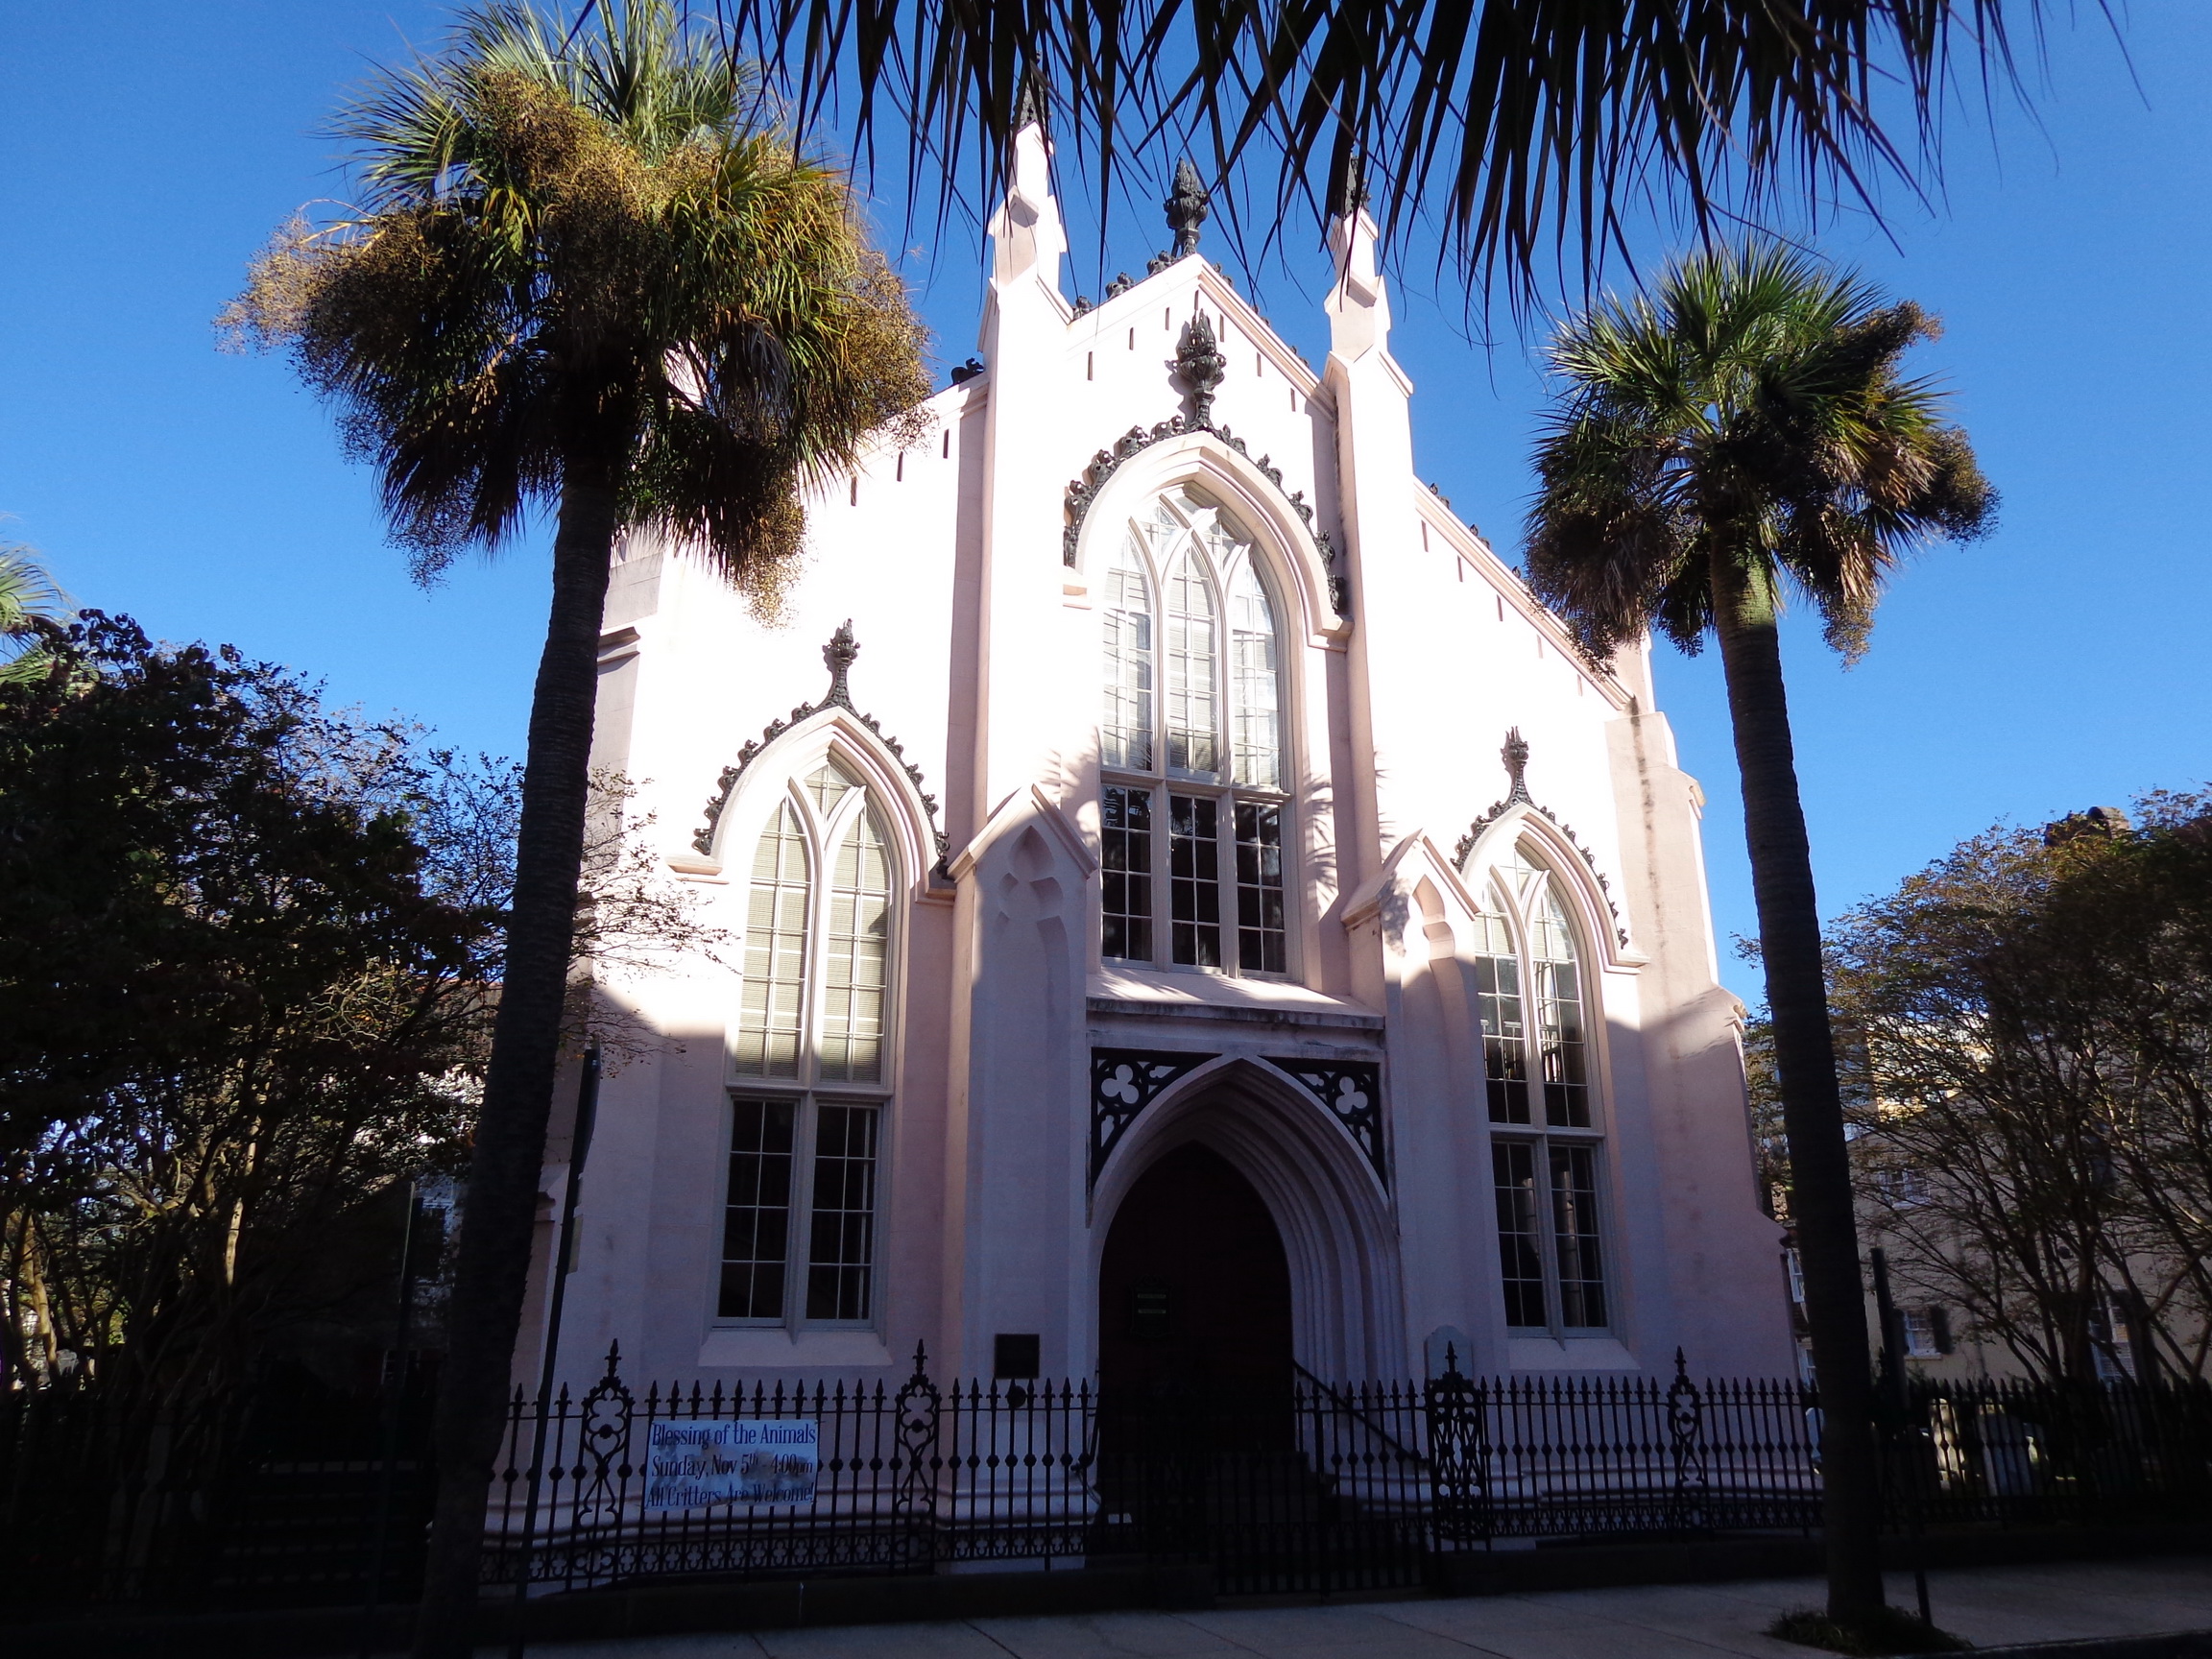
[
  {"x": 1820, "y": 1209},
  {"x": 500, "y": 1207}
]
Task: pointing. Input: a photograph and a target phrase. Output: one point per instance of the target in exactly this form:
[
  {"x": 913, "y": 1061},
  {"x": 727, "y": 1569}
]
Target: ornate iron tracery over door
[
  {"x": 1352, "y": 1090},
  {"x": 1123, "y": 1082}
]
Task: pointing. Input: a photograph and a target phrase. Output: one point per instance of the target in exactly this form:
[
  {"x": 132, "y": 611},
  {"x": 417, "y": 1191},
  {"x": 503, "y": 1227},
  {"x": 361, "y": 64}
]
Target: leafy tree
[
  {"x": 2035, "y": 1139},
  {"x": 241, "y": 989},
  {"x": 1746, "y": 427},
  {"x": 246, "y": 949},
  {"x": 588, "y": 274}
]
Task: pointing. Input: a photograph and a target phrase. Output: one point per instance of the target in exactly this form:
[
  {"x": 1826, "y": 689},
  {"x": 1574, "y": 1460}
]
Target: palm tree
[
  {"x": 1745, "y": 430},
  {"x": 1527, "y": 129},
  {"x": 588, "y": 274},
  {"x": 28, "y": 601}
]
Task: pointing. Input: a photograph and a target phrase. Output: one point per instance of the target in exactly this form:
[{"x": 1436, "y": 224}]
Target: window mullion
[
  {"x": 1229, "y": 901},
  {"x": 797, "y": 1253},
  {"x": 1224, "y": 687},
  {"x": 812, "y": 962},
  {"x": 1548, "y": 1222},
  {"x": 1163, "y": 882}
]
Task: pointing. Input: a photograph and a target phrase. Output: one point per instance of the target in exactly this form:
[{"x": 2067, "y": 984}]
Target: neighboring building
[{"x": 1150, "y": 959}]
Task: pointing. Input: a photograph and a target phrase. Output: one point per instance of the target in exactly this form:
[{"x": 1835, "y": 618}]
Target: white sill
[
  {"x": 732, "y": 1347},
  {"x": 1573, "y": 1353},
  {"x": 1142, "y": 982}
]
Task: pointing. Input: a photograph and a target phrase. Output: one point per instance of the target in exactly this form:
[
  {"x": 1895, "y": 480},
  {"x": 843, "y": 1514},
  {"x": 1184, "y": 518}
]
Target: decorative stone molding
[
  {"x": 837, "y": 655},
  {"x": 1084, "y": 490},
  {"x": 1352, "y": 1090},
  {"x": 1515, "y": 755},
  {"x": 1123, "y": 1082}
]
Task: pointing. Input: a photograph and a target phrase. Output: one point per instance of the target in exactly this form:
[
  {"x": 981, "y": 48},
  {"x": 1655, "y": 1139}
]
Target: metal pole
[
  {"x": 394, "y": 1393},
  {"x": 579, "y": 1146},
  {"x": 1900, "y": 1405}
]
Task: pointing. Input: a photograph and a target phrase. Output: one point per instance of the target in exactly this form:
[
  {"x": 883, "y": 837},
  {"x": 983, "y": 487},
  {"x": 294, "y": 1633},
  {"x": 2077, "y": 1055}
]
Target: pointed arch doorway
[{"x": 1194, "y": 1284}]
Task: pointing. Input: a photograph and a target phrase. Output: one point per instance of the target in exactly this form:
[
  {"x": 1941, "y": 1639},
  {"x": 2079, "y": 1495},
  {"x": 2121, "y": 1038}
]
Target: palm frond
[
  {"x": 30, "y": 603},
  {"x": 1529, "y": 127}
]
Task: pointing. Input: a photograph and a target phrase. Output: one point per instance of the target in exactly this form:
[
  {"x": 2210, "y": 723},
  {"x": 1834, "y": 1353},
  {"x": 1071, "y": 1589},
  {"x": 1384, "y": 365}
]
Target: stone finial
[
  {"x": 1348, "y": 191},
  {"x": 1515, "y": 755},
  {"x": 838, "y": 653},
  {"x": 1187, "y": 206},
  {"x": 1198, "y": 359},
  {"x": 1030, "y": 105}
]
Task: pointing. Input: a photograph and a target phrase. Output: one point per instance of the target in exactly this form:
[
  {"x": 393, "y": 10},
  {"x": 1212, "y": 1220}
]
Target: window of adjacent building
[
  {"x": 1927, "y": 1331},
  {"x": 1548, "y": 1158},
  {"x": 806, "y": 1117},
  {"x": 1193, "y": 819},
  {"x": 1903, "y": 1187}
]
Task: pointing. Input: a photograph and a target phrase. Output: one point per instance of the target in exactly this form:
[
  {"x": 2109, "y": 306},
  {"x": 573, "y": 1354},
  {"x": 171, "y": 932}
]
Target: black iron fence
[
  {"x": 2023, "y": 1454},
  {"x": 1309, "y": 1486},
  {"x": 267, "y": 1493}
]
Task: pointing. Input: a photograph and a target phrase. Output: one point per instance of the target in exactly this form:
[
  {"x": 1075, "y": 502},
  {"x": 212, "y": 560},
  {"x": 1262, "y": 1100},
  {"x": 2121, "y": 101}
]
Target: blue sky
[{"x": 149, "y": 148}]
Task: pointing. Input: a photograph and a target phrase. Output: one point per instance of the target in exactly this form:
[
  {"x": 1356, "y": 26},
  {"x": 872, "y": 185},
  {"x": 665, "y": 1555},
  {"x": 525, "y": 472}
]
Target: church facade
[{"x": 1190, "y": 911}]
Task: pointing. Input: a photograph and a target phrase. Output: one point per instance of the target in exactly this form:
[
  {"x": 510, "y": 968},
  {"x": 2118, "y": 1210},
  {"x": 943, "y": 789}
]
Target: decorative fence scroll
[
  {"x": 1306, "y": 1486},
  {"x": 1322, "y": 1487}
]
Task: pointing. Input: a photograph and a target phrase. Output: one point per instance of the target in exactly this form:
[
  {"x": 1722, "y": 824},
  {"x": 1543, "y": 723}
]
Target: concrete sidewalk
[{"x": 1989, "y": 1606}]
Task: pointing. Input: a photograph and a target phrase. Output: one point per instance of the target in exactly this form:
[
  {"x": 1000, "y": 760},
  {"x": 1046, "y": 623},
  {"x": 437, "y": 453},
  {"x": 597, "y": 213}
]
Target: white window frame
[
  {"x": 808, "y": 1092},
  {"x": 1923, "y": 1339},
  {"x": 1503, "y": 899},
  {"x": 1161, "y": 783},
  {"x": 1542, "y": 1142}
]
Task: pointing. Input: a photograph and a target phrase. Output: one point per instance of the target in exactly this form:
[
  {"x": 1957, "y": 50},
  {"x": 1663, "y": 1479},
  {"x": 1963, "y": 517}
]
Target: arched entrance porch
[
  {"x": 1330, "y": 1213},
  {"x": 1194, "y": 1286}
]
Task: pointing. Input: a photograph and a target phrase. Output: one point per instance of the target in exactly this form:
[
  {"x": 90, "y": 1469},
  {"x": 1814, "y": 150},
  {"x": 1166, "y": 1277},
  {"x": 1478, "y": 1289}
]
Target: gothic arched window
[
  {"x": 1547, "y": 1155},
  {"x": 798, "y": 1229},
  {"x": 1194, "y": 801}
]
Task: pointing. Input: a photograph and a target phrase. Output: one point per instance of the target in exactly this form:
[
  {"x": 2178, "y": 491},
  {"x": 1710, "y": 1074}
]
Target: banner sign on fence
[{"x": 745, "y": 1460}]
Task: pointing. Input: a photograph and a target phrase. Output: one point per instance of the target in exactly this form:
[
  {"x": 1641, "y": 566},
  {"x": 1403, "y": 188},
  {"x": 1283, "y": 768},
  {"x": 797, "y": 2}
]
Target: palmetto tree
[
  {"x": 28, "y": 597},
  {"x": 586, "y": 274},
  {"x": 1744, "y": 431}
]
